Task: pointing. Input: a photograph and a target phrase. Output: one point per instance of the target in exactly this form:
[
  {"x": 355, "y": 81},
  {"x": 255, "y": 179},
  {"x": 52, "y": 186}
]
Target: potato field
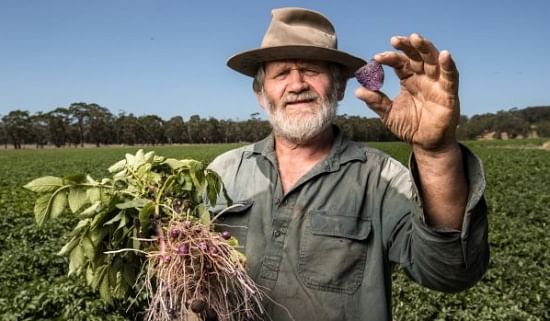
[{"x": 34, "y": 284}]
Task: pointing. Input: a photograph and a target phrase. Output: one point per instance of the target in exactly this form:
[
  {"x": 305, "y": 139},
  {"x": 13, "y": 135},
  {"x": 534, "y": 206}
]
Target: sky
[{"x": 168, "y": 57}]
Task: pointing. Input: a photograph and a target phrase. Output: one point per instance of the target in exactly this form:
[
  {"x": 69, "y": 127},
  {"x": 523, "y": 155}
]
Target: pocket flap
[
  {"x": 338, "y": 225},
  {"x": 235, "y": 208}
]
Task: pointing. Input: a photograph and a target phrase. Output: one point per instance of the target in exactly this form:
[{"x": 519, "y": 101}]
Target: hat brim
[{"x": 248, "y": 62}]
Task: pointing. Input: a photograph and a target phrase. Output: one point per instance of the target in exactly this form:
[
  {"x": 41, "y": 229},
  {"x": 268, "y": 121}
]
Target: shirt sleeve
[{"x": 444, "y": 260}]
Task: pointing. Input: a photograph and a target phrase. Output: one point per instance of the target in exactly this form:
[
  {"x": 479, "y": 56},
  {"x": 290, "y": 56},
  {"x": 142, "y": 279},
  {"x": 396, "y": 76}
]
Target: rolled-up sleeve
[{"x": 445, "y": 260}]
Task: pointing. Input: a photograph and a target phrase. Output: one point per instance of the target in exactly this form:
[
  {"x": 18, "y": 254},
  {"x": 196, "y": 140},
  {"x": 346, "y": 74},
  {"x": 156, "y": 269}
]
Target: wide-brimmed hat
[{"x": 296, "y": 33}]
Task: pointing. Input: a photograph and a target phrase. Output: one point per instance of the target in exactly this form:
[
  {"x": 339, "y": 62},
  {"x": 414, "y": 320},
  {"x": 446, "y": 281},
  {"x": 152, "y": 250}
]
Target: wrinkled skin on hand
[{"x": 426, "y": 111}]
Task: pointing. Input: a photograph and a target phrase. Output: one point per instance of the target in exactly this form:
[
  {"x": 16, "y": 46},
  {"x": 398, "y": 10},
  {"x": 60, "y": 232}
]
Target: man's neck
[{"x": 295, "y": 160}]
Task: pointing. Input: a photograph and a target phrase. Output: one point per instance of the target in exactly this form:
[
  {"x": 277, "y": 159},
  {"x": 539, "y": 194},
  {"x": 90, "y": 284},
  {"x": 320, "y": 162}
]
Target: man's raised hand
[{"x": 426, "y": 111}]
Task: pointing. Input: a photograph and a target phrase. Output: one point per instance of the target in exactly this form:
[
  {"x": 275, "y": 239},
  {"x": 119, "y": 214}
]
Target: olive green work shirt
[{"x": 325, "y": 250}]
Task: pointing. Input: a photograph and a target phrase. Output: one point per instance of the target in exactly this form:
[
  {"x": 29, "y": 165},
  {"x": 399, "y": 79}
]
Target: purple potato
[
  {"x": 226, "y": 235},
  {"x": 371, "y": 75},
  {"x": 174, "y": 233},
  {"x": 183, "y": 249}
]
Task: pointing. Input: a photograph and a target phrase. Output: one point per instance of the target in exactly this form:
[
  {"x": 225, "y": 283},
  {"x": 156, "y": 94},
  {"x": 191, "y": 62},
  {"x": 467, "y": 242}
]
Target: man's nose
[{"x": 296, "y": 81}]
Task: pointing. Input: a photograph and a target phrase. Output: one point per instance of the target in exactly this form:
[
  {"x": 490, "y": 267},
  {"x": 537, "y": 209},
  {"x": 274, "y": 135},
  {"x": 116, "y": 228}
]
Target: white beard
[{"x": 302, "y": 127}]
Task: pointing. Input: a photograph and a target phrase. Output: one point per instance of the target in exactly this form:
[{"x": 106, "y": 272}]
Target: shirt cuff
[{"x": 473, "y": 168}]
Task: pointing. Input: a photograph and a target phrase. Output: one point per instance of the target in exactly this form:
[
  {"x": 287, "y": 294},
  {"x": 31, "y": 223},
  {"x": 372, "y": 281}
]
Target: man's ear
[{"x": 261, "y": 99}]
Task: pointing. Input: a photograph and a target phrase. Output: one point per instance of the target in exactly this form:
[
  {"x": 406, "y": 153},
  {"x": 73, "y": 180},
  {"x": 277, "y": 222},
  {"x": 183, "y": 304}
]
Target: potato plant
[{"x": 147, "y": 229}]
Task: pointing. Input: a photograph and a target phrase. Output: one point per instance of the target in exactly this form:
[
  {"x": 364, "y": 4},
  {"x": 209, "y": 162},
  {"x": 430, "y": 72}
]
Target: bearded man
[{"x": 322, "y": 219}]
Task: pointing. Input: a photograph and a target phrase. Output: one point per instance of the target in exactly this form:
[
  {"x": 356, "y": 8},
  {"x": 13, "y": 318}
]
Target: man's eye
[
  {"x": 310, "y": 72},
  {"x": 281, "y": 73}
]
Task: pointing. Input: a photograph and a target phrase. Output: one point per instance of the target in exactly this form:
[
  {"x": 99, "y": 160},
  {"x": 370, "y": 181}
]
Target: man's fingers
[
  {"x": 449, "y": 73},
  {"x": 429, "y": 54},
  {"x": 376, "y": 100},
  {"x": 404, "y": 44},
  {"x": 398, "y": 61}
]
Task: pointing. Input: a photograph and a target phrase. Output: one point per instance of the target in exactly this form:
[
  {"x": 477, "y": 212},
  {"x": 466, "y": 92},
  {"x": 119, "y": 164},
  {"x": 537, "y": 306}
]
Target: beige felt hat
[{"x": 296, "y": 33}]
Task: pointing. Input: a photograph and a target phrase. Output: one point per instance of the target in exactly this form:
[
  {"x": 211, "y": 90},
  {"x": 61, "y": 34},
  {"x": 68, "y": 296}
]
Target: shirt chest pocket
[
  {"x": 234, "y": 220},
  {"x": 333, "y": 252}
]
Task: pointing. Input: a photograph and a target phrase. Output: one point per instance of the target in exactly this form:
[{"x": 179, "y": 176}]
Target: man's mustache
[{"x": 292, "y": 97}]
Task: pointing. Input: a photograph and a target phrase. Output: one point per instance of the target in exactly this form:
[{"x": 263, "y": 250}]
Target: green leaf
[
  {"x": 174, "y": 163},
  {"x": 149, "y": 157},
  {"x": 145, "y": 215},
  {"x": 120, "y": 175},
  {"x": 74, "y": 179},
  {"x": 130, "y": 160},
  {"x": 49, "y": 205},
  {"x": 238, "y": 257},
  {"x": 91, "y": 180},
  {"x": 143, "y": 170},
  {"x": 97, "y": 235},
  {"x": 41, "y": 209},
  {"x": 204, "y": 214},
  {"x": 68, "y": 247},
  {"x": 105, "y": 290},
  {"x": 89, "y": 275},
  {"x": 58, "y": 204},
  {"x": 213, "y": 187},
  {"x": 139, "y": 156},
  {"x": 88, "y": 248},
  {"x": 92, "y": 210},
  {"x": 131, "y": 269},
  {"x": 134, "y": 203},
  {"x": 121, "y": 288},
  {"x": 94, "y": 194},
  {"x": 46, "y": 184},
  {"x": 118, "y": 166},
  {"x": 98, "y": 219},
  {"x": 123, "y": 221},
  {"x": 76, "y": 259},
  {"x": 115, "y": 219},
  {"x": 233, "y": 242},
  {"x": 98, "y": 276},
  {"x": 197, "y": 174},
  {"x": 82, "y": 224},
  {"x": 77, "y": 198}
]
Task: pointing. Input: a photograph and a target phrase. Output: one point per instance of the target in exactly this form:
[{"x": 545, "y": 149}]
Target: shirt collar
[{"x": 343, "y": 150}]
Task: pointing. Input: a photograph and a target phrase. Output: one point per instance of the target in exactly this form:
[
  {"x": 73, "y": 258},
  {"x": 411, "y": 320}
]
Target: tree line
[{"x": 82, "y": 123}]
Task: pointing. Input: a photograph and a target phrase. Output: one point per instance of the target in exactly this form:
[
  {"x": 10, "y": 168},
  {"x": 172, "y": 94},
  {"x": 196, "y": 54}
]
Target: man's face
[{"x": 299, "y": 97}]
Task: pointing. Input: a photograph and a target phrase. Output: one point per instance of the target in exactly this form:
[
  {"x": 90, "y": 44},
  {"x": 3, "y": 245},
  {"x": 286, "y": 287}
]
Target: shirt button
[{"x": 277, "y": 233}]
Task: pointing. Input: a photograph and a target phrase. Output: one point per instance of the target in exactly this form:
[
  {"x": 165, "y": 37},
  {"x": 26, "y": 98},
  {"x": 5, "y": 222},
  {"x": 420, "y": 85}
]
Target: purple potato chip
[{"x": 371, "y": 75}]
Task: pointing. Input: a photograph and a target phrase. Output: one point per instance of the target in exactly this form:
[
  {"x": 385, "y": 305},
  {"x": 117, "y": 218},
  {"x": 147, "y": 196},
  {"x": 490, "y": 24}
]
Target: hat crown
[
  {"x": 296, "y": 33},
  {"x": 299, "y": 27}
]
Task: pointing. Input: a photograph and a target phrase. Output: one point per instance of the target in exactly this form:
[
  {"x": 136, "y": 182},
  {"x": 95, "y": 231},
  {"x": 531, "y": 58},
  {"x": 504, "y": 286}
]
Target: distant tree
[
  {"x": 59, "y": 126},
  {"x": 510, "y": 123},
  {"x": 79, "y": 113},
  {"x": 345, "y": 125},
  {"x": 543, "y": 128},
  {"x": 176, "y": 131},
  {"x": 212, "y": 131},
  {"x": 100, "y": 125},
  {"x": 461, "y": 131},
  {"x": 478, "y": 125},
  {"x": 39, "y": 129},
  {"x": 17, "y": 125},
  {"x": 152, "y": 127},
  {"x": 535, "y": 114},
  {"x": 194, "y": 130},
  {"x": 127, "y": 129},
  {"x": 3, "y": 134},
  {"x": 229, "y": 131}
]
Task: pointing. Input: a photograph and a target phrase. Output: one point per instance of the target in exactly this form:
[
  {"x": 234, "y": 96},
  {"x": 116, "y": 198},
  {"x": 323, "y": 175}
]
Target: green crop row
[{"x": 35, "y": 285}]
